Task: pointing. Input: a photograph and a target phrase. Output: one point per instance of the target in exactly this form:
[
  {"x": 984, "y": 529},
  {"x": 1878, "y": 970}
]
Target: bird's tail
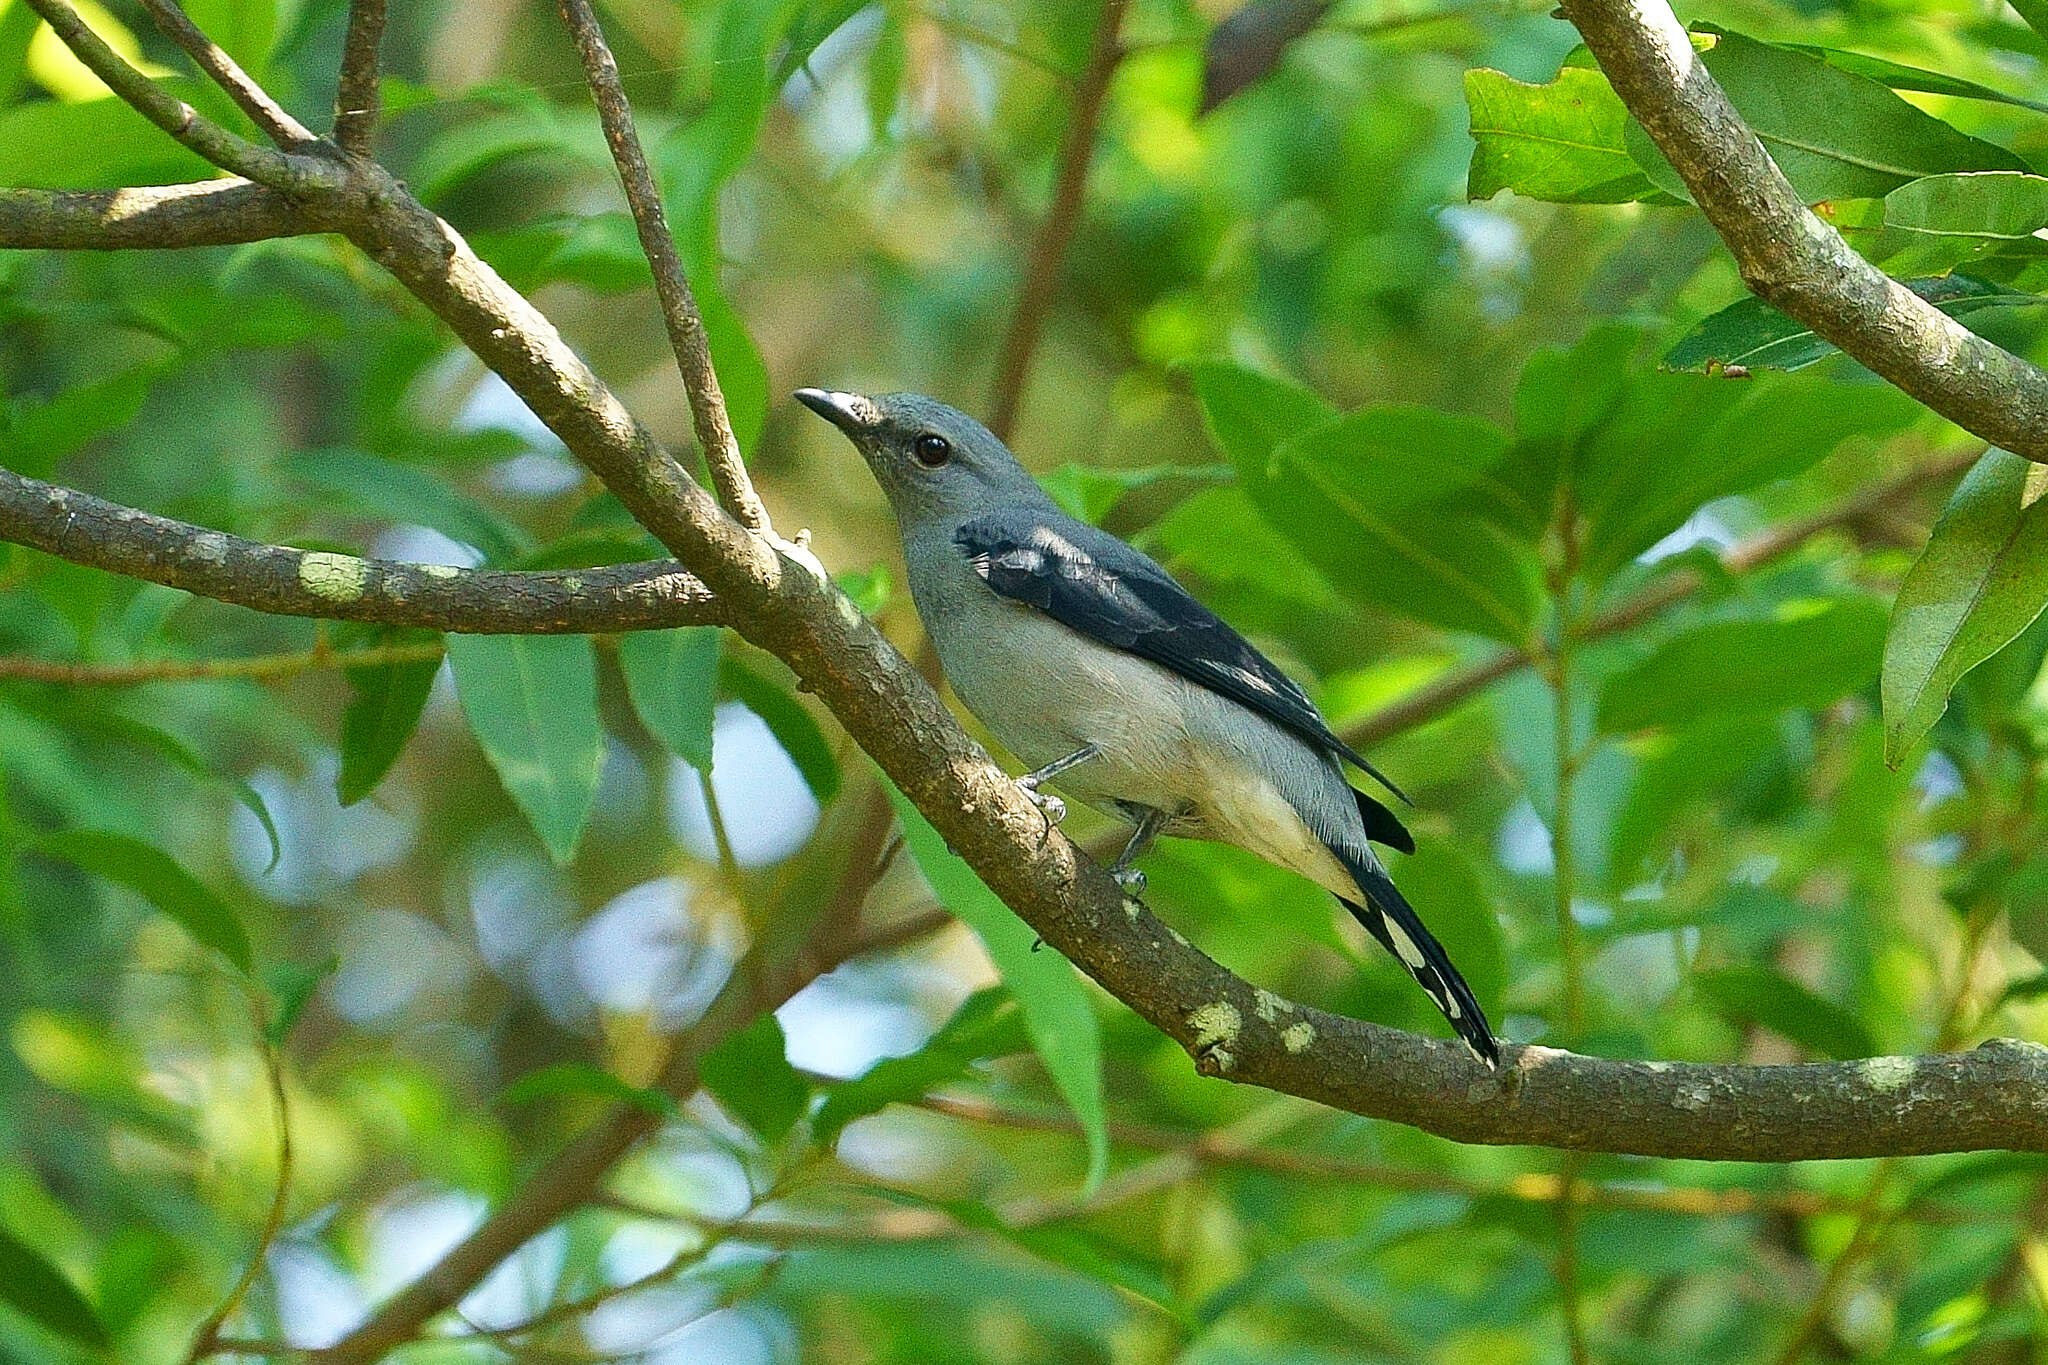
[{"x": 1389, "y": 917}]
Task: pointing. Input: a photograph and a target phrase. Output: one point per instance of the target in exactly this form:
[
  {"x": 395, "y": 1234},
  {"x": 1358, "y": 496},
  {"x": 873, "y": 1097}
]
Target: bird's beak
[{"x": 852, "y": 413}]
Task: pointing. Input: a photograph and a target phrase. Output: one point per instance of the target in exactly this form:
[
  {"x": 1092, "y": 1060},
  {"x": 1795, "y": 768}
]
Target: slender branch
[
  {"x": 252, "y": 99},
  {"x": 286, "y": 171},
  {"x": 1049, "y": 248},
  {"x": 1448, "y": 692},
  {"x": 257, "y": 667},
  {"x": 208, "y": 213},
  {"x": 679, "y": 313},
  {"x": 1790, "y": 258},
  {"x": 649, "y": 595},
  {"x": 358, "y": 101},
  {"x": 206, "y": 1340}
]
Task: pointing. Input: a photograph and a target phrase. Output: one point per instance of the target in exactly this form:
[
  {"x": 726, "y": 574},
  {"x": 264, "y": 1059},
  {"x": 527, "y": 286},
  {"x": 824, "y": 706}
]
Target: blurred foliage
[{"x": 1383, "y": 429}]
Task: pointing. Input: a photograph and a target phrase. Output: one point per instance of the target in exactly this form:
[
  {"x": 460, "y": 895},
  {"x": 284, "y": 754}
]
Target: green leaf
[
  {"x": 1560, "y": 142},
  {"x": 18, "y": 24},
  {"x": 1752, "y": 334},
  {"x": 291, "y": 986},
  {"x": 171, "y": 747},
  {"x": 888, "y": 59},
  {"x": 1090, "y": 491},
  {"x": 1249, "y": 413},
  {"x": 1058, "y": 1015},
  {"x": 356, "y": 481},
  {"x": 1675, "y": 442},
  {"x": 672, "y": 676},
  {"x": 100, "y": 144},
  {"x": 32, "y": 1286},
  {"x": 2035, "y": 12},
  {"x": 37, "y": 434},
  {"x": 791, "y": 725},
  {"x": 1358, "y": 496},
  {"x": 158, "y": 878},
  {"x": 531, "y": 701},
  {"x": 750, "y": 1075},
  {"x": 1901, "y": 77},
  {"x": 581, "y": 1078},
  {"x": 1835, "y": 134},
  {"x": 1982, "y": 579},
  {"x": 1075, "y": 1250},
  {"x": 814, "y": 23},
  {"x": 1749, "y": 668},
  {"x": 383, "y": 710},
  {"x": 1940, "y": 221},
  {"x": 987, "y": 1024},
  {"x": 1747, "y": 995}
]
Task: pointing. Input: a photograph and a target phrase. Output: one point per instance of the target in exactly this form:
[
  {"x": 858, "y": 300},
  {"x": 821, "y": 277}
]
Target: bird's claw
[
  {"x": 1050, "y": 807},
  {"x": 1130, "y": 879}
]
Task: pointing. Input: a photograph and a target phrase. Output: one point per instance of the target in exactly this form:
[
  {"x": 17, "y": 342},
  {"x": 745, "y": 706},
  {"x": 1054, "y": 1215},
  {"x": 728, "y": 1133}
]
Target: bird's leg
[
  {"x": 1147, "y": 829},
  {"x": 1051, "y": 807}
]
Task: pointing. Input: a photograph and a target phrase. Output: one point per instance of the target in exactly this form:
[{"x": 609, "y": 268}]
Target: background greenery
[{"x": 1385, "y": 430}]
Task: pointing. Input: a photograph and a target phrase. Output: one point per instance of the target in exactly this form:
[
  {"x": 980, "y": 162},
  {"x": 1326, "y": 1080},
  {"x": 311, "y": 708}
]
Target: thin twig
[
  {"x": 224, "y": 71},
  {"x": 206, "y": 1341},
  {"x": 679, "y": 313},
  {"x": 279, "y": 170},
  {"x": 258, "y": 666},
  {"x": 358, "y": 99},
  {"x": 1049, "y": 248}
]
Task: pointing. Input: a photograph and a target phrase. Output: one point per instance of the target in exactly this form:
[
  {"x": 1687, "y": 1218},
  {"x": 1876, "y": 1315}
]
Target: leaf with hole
[{"x": 1561, "y": 142}]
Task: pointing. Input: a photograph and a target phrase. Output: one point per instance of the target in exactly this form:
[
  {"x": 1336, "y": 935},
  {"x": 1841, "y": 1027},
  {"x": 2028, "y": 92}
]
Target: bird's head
[{"x": 932, "y": 460}]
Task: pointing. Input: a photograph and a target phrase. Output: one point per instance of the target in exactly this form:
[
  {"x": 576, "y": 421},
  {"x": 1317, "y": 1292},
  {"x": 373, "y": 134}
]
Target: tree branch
[
  {"x": 208, "y": 213},
  {"x": 1049, "y": 248},
  {"x": 285, "y": 171},
  {"x": 1790, "y": 258},
  {"x": 686, "y": 335},
  {"x": 358, "y": 101},
  {"x": 1446, "y": 693},
  {"x": 252, "y": 99},
  {"x": 649, "y": 595},
  {"x": 263, "y": 667}
]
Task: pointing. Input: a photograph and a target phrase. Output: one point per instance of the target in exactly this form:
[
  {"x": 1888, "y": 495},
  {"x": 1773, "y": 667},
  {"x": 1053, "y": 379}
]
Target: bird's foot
[
  {"x": 1130, "y": 879},
  {"x": 1050, "y": 807}
]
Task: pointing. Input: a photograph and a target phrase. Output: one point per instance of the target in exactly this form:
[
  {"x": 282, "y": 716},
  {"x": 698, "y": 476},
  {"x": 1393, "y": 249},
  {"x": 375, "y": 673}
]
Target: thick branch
[
  {"x": 358, "y": 101},
  {"x": 1049, "y": 248},
  {"x": 279, "y": 170},
  {"x": 224, "y": 71},
  {"x": 274, "y": 578},
  {"x": 679, "y": 313},
  {"x": 1790, "y": 258},
  {"x": 208, "y": 213}
]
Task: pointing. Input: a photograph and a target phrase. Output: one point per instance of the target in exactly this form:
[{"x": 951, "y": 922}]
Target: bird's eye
[{"x": 932, "y": 450}]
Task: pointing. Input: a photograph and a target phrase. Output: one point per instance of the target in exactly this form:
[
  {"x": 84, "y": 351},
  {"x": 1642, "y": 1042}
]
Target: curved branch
[
  {"x": 207, "y": 213},
  {"x": 280, "y": 170},
  {"x": 1790, "y": 258},
  {"x": 686, "y": 335},
  {"x": 86, "y": 530}
]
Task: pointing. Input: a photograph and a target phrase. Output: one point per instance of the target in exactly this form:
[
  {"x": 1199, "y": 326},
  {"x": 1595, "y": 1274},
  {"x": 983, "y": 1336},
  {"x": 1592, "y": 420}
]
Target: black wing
[{"x": 1112, "y": 593}]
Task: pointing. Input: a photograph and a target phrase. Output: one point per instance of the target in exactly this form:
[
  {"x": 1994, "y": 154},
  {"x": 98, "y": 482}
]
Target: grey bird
[{"x": 1093, "y": 665}]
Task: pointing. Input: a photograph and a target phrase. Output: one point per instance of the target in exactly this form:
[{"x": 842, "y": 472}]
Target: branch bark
[
  {"x": 686, "y": 335},
  {"x": 224, "y": 71},
  {"x": 291, "y": 172},
  {"x": 650, "y": 595},
  {"x": 207, "y": 213},
  {"x": 1790, "y": 258},
  {"x": 358, "y": 101}
]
